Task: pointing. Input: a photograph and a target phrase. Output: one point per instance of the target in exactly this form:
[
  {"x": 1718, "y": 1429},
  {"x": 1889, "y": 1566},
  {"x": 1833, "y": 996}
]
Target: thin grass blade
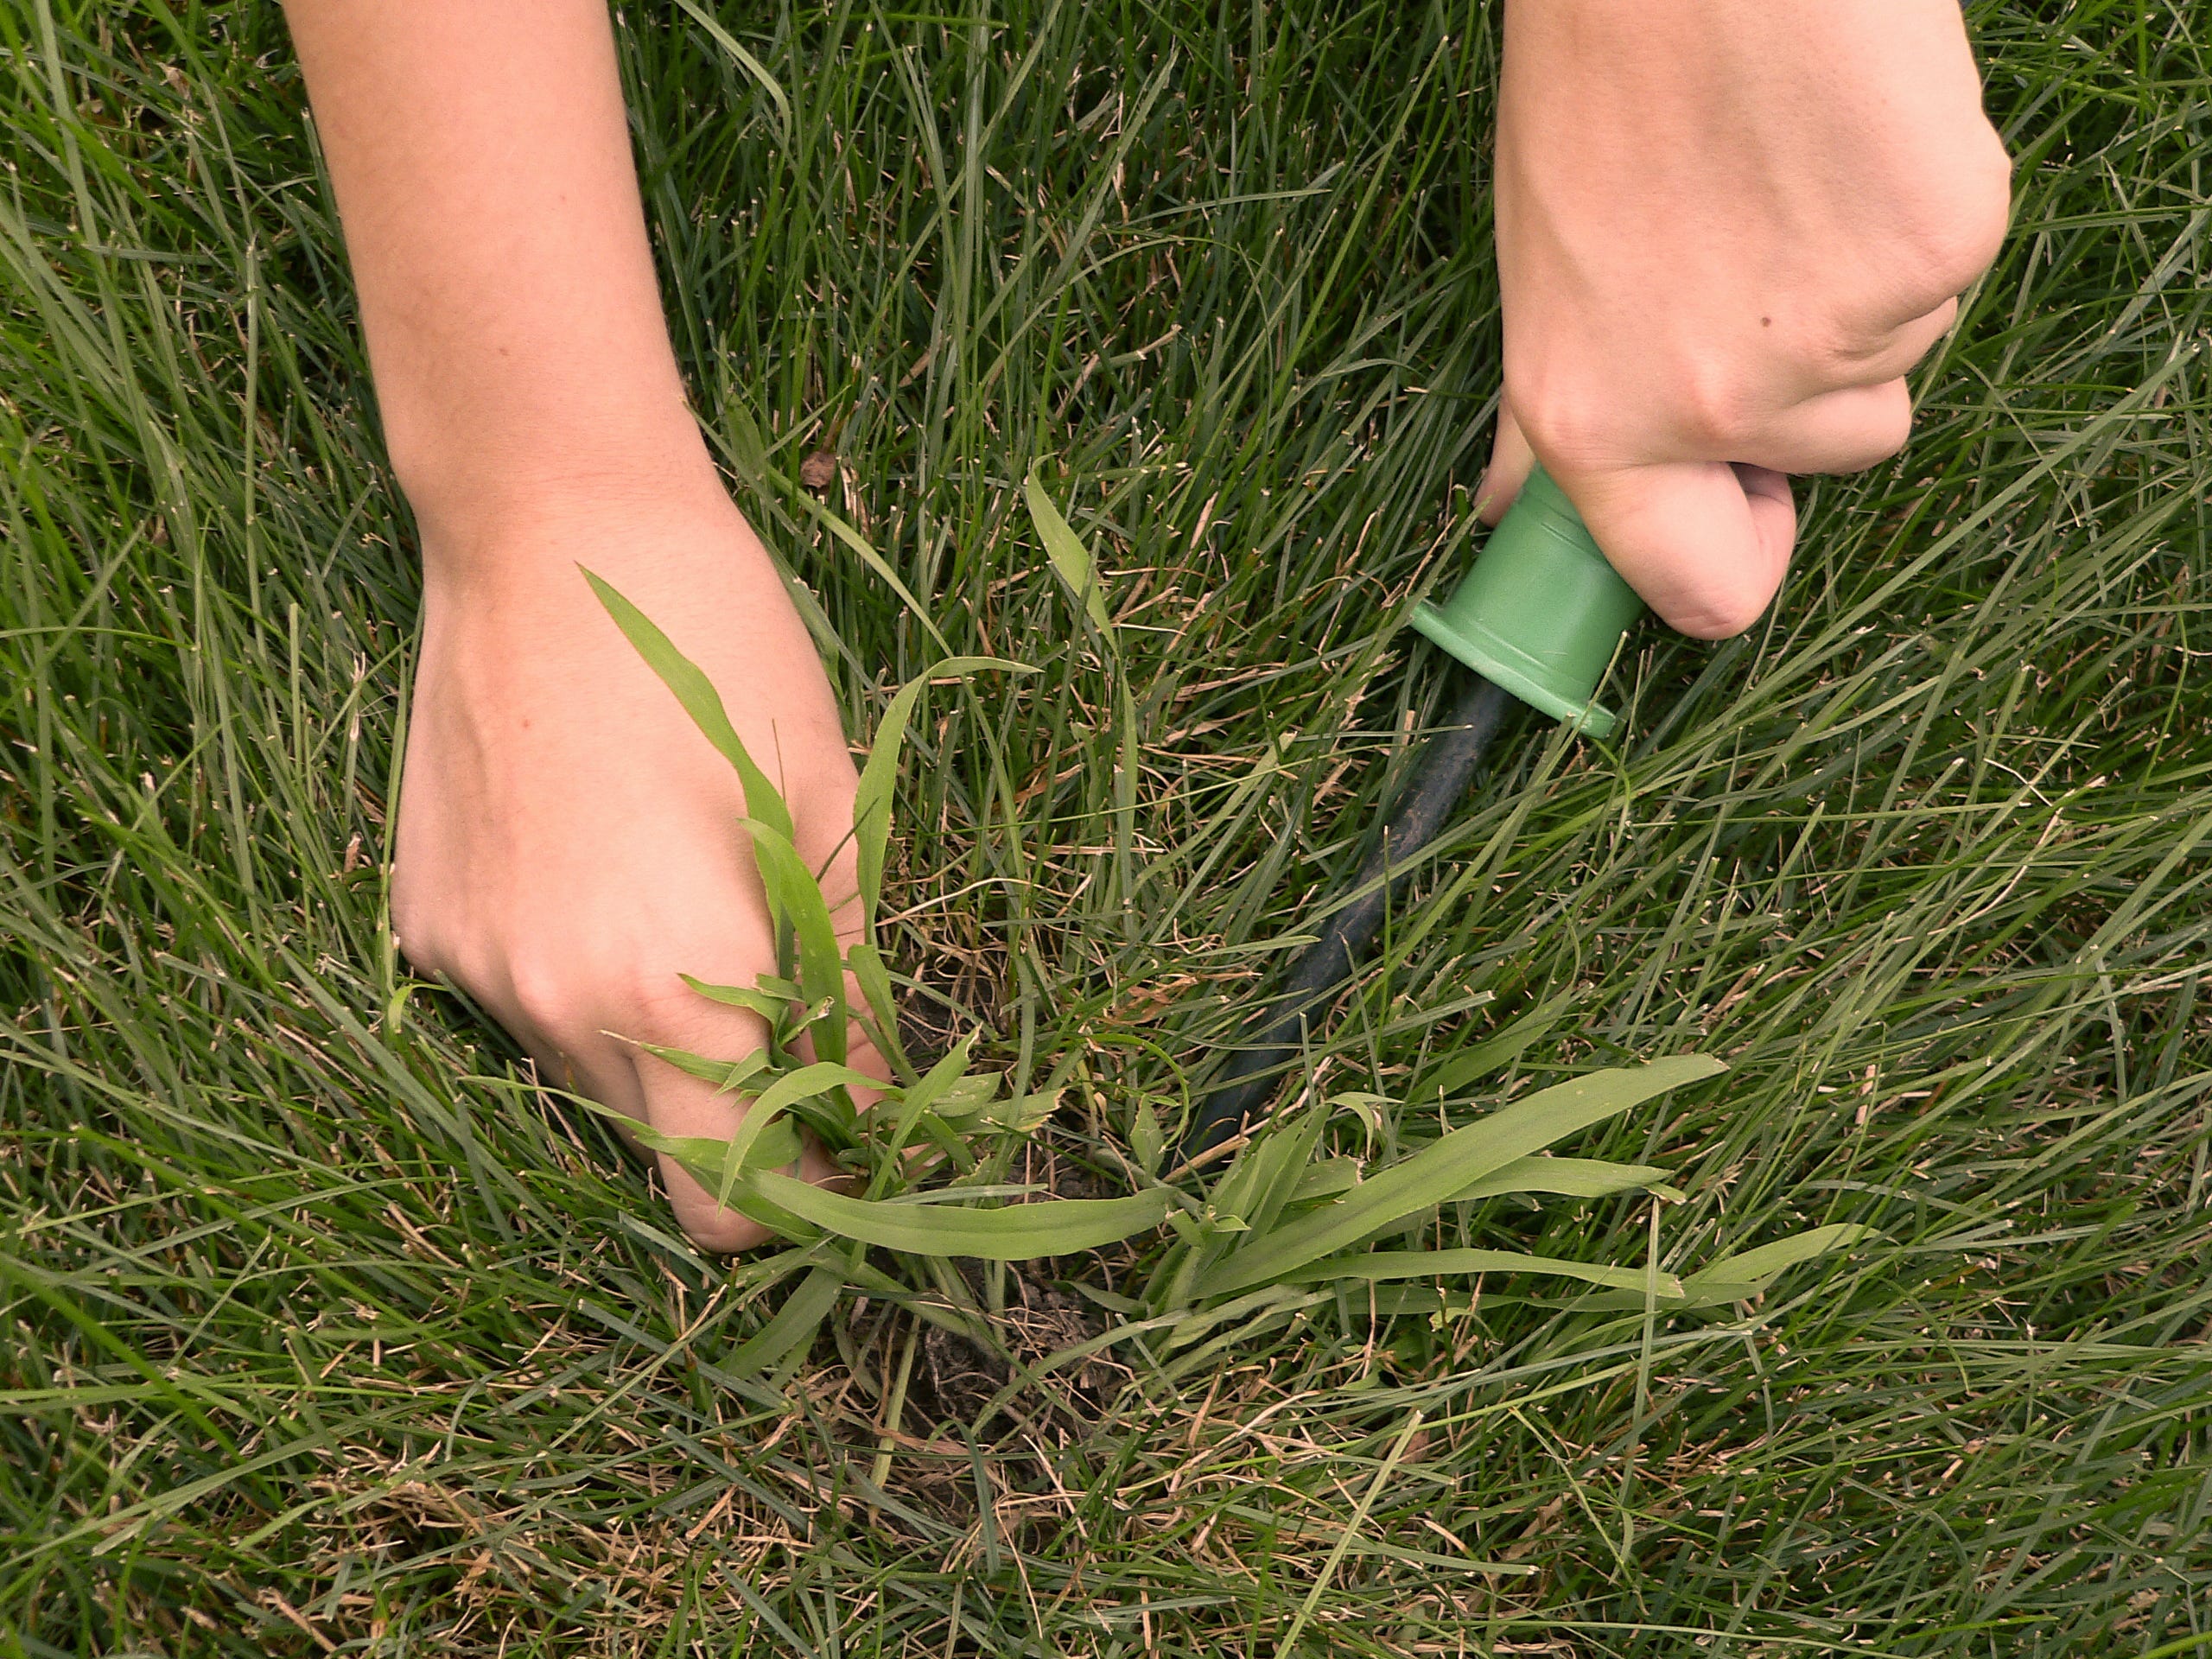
[
  {"x": 1071, "y": 559},
  {"x": 745, "y": 61},
  {"x": 879, "y": 777}
]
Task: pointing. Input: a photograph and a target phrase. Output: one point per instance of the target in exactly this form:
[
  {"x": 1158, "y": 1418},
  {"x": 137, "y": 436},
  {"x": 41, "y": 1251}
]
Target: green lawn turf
[{"x": 321, "y": 1332}]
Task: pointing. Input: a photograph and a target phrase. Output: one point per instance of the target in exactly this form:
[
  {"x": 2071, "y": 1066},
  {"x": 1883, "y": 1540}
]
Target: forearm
[{"x": 482, "y": 166}]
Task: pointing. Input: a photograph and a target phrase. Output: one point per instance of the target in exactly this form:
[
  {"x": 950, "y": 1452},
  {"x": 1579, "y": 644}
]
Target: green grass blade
[
  {"x": 794, "y": 1324},
  {"x": 1272, "y": 1159},
  {"x": 1071, "y": 560},
  {"x": 1439, "y": 1171},
  {"x": 914, "y": 1103},
  {"x": 879, "y": 777},
  {"x": 1021, "y": 1232},
  {"x": 700, "y": 700},
  {"x": 1147, "y": 1144},
  {"x": 865, "y": 549},
  {"x": 1327, "y": 1179},
  {"x": 744, "y": 59},
  {"x": 1277, "y": 1184},
  {"x": 1425, "y": 1264}
]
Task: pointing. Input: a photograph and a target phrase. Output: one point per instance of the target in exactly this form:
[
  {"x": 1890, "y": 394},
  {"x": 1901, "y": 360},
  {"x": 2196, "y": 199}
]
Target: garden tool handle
[
  {"x": 1540, "y": 616},
  {"x": 1542, "y": 611}
]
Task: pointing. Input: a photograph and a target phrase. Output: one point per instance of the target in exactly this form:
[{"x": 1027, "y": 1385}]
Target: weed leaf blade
[
  {"x": 1448, "y": 1166},
  {"x": 700, "y": 700},
  {"x": 1568, "y": 1178},
  {"x": 1021, "y": 1232},
  {"x": 794, "y": 1323},
  {"x": 1425, "y": 1264}
]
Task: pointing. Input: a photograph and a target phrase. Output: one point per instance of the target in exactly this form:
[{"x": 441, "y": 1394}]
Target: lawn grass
[{"x": 325, "y": 1332}]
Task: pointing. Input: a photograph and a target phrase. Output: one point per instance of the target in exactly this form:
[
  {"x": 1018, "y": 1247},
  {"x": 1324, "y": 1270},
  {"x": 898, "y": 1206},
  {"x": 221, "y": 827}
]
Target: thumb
[
  {"x": 1510, "y": 458},
  {"x": 1705, "y": 544}
]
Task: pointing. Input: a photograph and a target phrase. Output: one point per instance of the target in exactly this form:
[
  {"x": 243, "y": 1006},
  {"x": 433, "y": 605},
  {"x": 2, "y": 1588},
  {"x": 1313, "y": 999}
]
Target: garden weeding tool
[{"x": 1539, "y": 618}]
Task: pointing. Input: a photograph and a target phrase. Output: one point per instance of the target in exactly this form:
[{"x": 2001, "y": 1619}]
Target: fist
[{"x": 1726, "y": 231}]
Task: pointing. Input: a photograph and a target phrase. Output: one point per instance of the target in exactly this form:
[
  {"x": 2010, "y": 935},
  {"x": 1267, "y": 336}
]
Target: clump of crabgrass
[{"x": 925, "y": 1168}]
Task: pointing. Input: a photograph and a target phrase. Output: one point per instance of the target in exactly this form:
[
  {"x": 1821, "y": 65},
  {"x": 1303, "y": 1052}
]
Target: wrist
[{"x": 493, "y": 504}]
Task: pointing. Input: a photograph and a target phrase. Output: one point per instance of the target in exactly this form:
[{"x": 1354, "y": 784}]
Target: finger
[
  {"x": 585, "y": 1051},
  {"x": 1765, "y": 485},
  {"x": 1889, "y": 353},
  {"x": 677, "y": 1103},
  {"x": 1510, "y": 458},
  {"x": 1844, "y": 431},
  {"x": 706, "y": 1221},
  {"x": 615, "y": 1087},
  {"x": 1705, "y": 544}
]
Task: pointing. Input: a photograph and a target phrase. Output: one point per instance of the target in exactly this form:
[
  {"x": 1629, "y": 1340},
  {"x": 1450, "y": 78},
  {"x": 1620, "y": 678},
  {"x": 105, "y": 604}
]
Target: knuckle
[
  {"x": 1948, "y": 258},
  {"x": 642, "y": 996},
  {"x": 1715, "y": 412},
  {"x": 1958, "y": 237},
  {"x": 1566, "y": 423},
  {"x": 580, "y": 994},
  {"x": 650, "y": 998},
  {"x": 547, "y": 989},
  {"x": 1718, "y": 616},
  {"x": 1833, "y": 350}
]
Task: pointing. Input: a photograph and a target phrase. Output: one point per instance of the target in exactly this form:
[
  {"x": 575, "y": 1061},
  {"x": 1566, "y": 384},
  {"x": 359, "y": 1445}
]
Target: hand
[
  {"x": 1725, "y": 230},
  {"x": 569, "y": 841}
]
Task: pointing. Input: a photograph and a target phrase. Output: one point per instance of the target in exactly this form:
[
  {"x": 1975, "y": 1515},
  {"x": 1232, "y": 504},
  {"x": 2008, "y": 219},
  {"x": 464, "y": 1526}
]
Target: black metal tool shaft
[{"x": 1435, "y": 781}]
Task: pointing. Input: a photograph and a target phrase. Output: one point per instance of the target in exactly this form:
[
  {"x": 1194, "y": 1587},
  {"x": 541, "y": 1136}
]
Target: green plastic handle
[{"x": 1542, "y": 613}]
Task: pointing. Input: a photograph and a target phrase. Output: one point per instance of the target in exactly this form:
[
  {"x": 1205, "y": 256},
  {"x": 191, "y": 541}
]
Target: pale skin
[
  {"x": 1725, "y": 230},
  {"x": 567, "y": 843},
  {"x": 1758, "y": 228}
]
